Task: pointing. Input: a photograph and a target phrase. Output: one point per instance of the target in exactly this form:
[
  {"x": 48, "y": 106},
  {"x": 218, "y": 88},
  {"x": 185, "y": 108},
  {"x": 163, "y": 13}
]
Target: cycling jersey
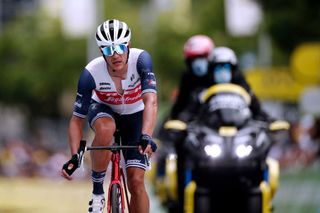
[{"x": 96, "y": 84}]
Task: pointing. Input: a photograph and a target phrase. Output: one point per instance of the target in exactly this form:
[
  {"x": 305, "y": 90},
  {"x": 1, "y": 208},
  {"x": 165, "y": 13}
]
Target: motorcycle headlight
[
  {"x": 243, "y": 150},
  {"x": 213, "y": 150},
  {"x": 242, "y": 145}
]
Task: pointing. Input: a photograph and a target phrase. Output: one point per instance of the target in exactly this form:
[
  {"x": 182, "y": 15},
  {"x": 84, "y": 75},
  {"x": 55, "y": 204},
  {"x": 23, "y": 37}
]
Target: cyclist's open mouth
[{"x": 117, "y": 62}]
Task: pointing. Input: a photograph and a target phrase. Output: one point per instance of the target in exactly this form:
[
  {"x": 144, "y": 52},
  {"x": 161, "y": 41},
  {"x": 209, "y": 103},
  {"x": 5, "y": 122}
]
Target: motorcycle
[{"x": 227, "y": 168}]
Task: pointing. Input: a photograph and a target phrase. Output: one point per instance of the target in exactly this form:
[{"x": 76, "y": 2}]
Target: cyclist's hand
[
  {"x": 147, "y": 145},
  {"x": 69, "y": 167},
  {"x": 75, "y": 162}
]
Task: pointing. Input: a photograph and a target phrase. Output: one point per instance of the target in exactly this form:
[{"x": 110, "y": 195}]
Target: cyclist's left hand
[{"x": 147, "y": 145}]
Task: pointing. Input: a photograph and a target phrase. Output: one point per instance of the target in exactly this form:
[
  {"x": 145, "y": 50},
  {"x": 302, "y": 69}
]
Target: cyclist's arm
[
  {"x": 149, "y": 113},
  {"x": 75, "y": 133},
  {"x": 84, "y": 92},
  {"x": 149, "y": 92}
]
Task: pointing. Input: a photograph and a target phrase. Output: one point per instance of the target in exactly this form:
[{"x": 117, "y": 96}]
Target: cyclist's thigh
[
  {"x": 130, "y": 128},
  {"x": 97, "y": 110}
]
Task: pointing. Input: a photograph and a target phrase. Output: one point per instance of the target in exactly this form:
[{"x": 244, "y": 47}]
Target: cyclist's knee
[
  {"x": 136, "y": 183},
  {"x": 104, "y": 126}
]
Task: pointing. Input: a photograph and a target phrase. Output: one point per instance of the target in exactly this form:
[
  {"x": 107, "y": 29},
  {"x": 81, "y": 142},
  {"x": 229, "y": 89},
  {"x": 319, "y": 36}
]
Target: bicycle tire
[{"x": 116, "y": 202}]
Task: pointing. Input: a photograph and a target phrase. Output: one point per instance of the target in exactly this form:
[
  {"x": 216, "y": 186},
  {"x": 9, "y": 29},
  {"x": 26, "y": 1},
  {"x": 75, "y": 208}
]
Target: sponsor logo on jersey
[
  {"x": 133, "y": 161},
  {"x": 104, "y": 83},
  {"x": 78, "y": 104},
  {"x": 104, "y": 88},
  {"x": 134, "y": 83},
  {"x": 129, "y": 97},
  {"x": 151, "y": 82},
  {"x": 132, "y": 77}
]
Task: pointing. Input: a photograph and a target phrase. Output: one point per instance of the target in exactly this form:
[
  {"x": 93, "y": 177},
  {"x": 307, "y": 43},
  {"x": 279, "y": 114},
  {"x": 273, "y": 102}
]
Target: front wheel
[{"x": 116, "y": 199}]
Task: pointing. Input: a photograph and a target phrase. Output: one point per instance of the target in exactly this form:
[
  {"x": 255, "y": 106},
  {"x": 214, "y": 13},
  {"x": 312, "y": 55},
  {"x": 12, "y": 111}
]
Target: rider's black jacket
[{"x": 186, "y": 104}]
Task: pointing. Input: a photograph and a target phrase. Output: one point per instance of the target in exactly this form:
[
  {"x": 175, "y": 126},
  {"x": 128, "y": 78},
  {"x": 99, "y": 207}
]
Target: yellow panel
[
  {"x": 274, "y": 84},
  {"x": 189, "y": 197},
  {"x": 305, "y": 63},
  {"x": 228, "y": 131},
  {"x": 233, "y": 88}
]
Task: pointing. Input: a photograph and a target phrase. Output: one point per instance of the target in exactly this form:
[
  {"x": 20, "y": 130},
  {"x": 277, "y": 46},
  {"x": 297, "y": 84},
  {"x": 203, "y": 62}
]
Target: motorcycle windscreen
[{"x": 226, "y": 109}]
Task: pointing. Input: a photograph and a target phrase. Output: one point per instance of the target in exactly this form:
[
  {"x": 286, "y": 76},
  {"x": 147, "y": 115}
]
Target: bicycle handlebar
[
  {"x": 83, "y": 147},
  {"x": 112, "y": 147}
]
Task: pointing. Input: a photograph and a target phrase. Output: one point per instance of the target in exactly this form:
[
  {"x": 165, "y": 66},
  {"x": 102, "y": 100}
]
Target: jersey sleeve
[
  {"x": 86, "y": 84},
  {"x": 144, "y": 68}
]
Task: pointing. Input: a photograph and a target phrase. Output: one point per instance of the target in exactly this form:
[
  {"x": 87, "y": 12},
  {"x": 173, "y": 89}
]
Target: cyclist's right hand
[
  {"x": 75, "y": 162},
  {"x": 69, "y": 167}
]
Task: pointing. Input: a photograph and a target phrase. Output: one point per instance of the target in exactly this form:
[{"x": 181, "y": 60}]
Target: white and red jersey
[{"x": 96, "y": 84}]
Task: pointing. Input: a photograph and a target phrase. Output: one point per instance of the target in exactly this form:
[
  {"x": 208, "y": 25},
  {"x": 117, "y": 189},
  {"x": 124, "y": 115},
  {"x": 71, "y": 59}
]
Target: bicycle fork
[{"x": 115, "y": 179}]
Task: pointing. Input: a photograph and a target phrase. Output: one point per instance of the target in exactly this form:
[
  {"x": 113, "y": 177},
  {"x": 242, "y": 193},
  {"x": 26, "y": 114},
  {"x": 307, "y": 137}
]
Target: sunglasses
[{"x": 109, "y": 50}]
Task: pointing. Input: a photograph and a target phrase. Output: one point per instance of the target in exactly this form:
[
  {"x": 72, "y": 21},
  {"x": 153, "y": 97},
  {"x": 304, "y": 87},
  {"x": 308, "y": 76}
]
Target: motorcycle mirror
[
  {"x": 175, "y": 125},
  {"x": 279, "y": 125}
]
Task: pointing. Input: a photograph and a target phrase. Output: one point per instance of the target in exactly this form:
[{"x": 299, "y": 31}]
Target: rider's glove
[
  {"x": 71, "y": 165},
  {"x": 145, "y": 140},
  {"x": 76, "y": 159}
]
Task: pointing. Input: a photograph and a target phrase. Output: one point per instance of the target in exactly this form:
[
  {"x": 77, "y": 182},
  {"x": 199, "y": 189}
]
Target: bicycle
[{"x": 117, "y": 186}]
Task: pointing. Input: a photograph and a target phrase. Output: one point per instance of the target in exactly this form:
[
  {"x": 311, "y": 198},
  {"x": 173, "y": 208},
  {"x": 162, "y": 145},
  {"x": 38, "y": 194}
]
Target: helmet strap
[{"x": 128, "y": 54}]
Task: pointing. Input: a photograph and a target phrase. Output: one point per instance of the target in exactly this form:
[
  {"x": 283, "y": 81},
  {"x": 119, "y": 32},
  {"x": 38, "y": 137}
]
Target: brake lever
[{"x": 81, "y": 150}]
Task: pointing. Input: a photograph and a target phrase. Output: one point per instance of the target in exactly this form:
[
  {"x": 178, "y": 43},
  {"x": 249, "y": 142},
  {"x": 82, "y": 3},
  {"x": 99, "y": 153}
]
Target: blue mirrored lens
[
  {"x": 120, "y": 49},
  {"x": 222, "y": 73},
  {"x": 199, "y": 66},
  {"x": 109, "y": 50}
]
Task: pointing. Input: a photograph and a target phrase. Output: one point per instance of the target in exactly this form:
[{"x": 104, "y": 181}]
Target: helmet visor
[
  {"x": 199, "y": 66},
  {"x": 222, "y": 73},
  {"x": 109, "y": 50}
]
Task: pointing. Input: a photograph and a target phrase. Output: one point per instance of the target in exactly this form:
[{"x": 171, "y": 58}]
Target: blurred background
[{"x": 44, "y": 45}]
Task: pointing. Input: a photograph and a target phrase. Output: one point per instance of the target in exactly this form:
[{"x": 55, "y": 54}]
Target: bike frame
[{"x": 116, "y": 170}]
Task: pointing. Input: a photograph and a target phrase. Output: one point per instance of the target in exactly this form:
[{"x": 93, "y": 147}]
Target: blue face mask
[
  {"x": 222, "y": 73},
  {"x": 199, "y": 66}
]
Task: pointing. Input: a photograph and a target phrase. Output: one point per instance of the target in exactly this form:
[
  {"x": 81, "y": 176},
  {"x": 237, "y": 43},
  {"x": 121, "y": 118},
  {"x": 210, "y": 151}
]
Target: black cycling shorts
[{"x": 130, "y": 130}]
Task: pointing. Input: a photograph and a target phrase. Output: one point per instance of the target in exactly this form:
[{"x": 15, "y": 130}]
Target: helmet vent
[
  {"x": 97, "y": 37},
  {"x": 127, "y": 33},
  {"x": 119, "y": 33},
  {"x": 112, "y": 33},
  {"x": 103, "y": 32}
]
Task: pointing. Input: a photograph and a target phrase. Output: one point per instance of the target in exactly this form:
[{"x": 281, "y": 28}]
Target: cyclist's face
[{"x": 117, "y": 62}]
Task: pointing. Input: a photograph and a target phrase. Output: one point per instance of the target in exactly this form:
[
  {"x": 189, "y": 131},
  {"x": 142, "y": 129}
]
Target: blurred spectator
[
  {"x": 19, "y": 158},
  {"x": 304, "y": 147}
]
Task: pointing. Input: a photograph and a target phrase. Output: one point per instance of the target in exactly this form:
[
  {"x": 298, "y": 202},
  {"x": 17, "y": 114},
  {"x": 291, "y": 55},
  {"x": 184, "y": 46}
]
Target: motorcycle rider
[
  {"x": 196, "y": 53},
  {"x": 223, "y": 68}
]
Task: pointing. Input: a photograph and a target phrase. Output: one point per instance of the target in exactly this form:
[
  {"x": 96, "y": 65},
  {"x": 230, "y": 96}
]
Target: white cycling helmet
[
  {"x": 223, "y": 55},
  {"x": 113, "y": 32}
]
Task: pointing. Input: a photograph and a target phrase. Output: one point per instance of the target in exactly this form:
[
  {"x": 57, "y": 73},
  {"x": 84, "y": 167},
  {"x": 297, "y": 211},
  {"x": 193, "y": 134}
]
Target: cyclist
[{"x": 116, "y": 90}]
